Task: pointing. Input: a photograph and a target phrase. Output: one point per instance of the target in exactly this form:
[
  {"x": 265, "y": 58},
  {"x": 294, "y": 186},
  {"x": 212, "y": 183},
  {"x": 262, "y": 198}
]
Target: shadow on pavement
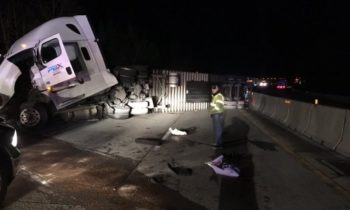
[
  {"x": 264, "y": 145},
  {"x": 23, "y": 185},
  {"x": 55, "y": 126},
  {"x": 237, "y": 193}
]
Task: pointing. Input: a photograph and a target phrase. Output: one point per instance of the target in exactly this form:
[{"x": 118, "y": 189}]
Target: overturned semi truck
[{"x": 57, "y": 68}]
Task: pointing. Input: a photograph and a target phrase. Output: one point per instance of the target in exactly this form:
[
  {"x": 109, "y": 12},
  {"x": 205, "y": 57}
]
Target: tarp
[{"x": 222, "y": 168}]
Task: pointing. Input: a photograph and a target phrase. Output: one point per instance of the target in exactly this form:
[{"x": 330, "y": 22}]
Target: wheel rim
[{"x": 29, "y": 117}]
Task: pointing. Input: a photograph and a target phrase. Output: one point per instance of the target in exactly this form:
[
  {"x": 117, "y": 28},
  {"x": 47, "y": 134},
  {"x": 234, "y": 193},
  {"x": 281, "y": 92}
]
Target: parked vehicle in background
[
  {"x": 281, "y": 84},
  {"x": 9, "y": 157},
  {"x": 263, "y": 83}
]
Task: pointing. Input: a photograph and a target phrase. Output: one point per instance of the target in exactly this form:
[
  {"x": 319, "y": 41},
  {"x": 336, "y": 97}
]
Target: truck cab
[{"x": 54, "y": 66}]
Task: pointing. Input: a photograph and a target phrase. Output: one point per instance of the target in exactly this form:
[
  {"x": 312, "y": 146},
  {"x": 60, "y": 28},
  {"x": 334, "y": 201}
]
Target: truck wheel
[
  {"x": 3, "y": 182},
  {"x": 32, "y": 116},
  {"x": 121, "y": 113},
  {"x": 139, "y": 111},
  {"x": 141, "y": 104}
]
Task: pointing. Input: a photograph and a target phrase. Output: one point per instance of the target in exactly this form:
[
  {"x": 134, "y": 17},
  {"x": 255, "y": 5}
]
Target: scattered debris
[
  {"x": 189, "y": 130},
  {"x": 179, "y": 170},
  {"x": 177, "y": 132},
  {"x": 151, "y": 141},
  {"x": 220, "y": 167}
]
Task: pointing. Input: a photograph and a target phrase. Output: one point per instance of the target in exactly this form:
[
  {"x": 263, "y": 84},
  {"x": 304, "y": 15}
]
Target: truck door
[{"x": 56, "y": 65}]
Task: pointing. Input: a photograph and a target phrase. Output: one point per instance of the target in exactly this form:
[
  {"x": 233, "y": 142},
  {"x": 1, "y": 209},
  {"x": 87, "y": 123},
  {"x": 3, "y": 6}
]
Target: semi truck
[{"x": 57, "y": 69}]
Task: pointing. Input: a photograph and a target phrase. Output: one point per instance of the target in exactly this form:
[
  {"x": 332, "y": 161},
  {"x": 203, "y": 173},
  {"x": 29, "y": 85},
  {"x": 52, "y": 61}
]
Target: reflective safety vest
[{"x": 217, "y": 104}]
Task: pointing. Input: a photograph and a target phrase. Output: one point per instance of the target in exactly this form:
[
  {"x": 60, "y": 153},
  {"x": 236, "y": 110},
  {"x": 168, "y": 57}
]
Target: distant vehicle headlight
[
  {"x": 263, "y": 84},
  {"x": 14, "y": 139}
]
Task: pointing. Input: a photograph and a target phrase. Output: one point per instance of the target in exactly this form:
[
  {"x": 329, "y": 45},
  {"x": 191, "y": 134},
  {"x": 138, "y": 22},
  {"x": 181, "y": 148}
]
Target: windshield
[{"x": 24, "y": 60}]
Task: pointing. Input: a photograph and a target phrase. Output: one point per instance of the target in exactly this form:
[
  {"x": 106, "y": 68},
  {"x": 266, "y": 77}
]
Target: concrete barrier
[
  {"x": 299, "y": 116},
  {"x": 262, "y": 103},
  {"x": 344, "y": 145},
  {"x": 270, "y": 106},
  {"x": 294, "y": 114},
  {"x": 253, "y": 102},
  {"x": 256, "y": 101},
  {"x": 282, "y": 110},
  {"x": 326, "y": 125}
]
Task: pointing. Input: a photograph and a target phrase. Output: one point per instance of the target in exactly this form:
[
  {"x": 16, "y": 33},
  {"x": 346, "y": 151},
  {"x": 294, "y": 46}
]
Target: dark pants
[{"x": 218, "y": 124}]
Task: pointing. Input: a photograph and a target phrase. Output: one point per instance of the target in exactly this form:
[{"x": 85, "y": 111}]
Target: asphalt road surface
[{"x": 99, "y": 165}]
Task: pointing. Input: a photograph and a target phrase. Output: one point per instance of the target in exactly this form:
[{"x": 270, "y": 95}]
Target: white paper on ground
[{"x": 177, "y": 132}]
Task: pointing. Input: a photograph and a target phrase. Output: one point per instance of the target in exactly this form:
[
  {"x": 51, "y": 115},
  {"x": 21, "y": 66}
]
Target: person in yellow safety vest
[{"x": 216, "y": 111}]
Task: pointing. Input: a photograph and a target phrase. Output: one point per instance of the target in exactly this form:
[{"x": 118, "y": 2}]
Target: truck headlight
[{"x": 14, "y": 139}]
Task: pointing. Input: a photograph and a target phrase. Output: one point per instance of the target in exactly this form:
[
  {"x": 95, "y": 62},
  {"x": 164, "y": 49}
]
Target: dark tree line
[
  {"x": 19, "y": 17},
  {"x": 121, "y": 42}
]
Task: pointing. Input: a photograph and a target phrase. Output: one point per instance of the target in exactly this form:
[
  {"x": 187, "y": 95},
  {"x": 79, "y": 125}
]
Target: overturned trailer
[{"x": 55, "y": 68}]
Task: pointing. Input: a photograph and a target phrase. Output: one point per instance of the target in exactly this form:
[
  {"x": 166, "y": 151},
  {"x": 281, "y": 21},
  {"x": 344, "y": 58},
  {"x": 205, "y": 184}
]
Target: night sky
[
  {"x": 253, "y": 38},
  {"x": 278, "y": 37}
]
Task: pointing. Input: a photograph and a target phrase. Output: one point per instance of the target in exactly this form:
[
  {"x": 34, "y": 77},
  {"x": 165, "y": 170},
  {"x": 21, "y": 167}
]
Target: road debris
[
  {"x": 220, "y": 167},
  {"x": 177, "y": 132}
]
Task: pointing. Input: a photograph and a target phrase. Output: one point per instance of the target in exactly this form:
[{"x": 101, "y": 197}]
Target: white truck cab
[{"x": 51, "y": 68}]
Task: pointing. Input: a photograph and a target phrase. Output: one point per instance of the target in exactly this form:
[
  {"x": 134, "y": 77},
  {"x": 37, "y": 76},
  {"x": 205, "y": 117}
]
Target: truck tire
[
  {"x": 139, "y": 111},
  {"x": 3, "y": 181},
  {"x": 121, "y": 113},
  {"x": 32, "y": 116},
  {"x": 135, "y": 105}
]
